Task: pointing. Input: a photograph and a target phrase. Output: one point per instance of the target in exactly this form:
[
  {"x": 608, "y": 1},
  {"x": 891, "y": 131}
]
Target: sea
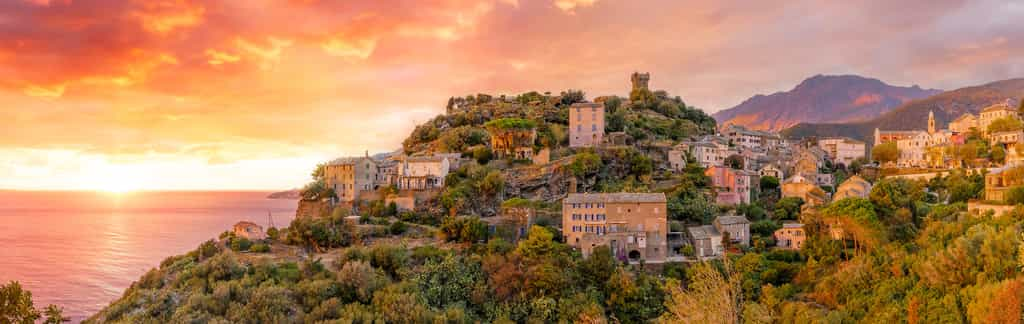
[{"x": 81, "y": 250}]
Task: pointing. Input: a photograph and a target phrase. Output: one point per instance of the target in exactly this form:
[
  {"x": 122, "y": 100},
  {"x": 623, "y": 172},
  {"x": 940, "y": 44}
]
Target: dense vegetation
[{"x": 646, "y": 116}]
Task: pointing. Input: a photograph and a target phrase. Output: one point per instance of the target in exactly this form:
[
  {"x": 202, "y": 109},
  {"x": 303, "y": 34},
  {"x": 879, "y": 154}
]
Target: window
[
  {"x": 579, "y": 128},
  {"x": 593, "y": 128}
]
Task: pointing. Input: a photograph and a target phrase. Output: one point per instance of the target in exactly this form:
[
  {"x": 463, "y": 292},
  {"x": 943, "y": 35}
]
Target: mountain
[
  {"x": 947, "y": 106},
  {"x": 821, "y": 98}
]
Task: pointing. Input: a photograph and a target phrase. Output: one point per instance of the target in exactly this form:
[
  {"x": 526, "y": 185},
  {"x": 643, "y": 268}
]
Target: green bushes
[{"x": 462, "y": 229}]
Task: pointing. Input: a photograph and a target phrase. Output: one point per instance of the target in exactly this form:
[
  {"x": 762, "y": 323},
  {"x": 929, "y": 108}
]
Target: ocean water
[{"x": 81, "y": 250}]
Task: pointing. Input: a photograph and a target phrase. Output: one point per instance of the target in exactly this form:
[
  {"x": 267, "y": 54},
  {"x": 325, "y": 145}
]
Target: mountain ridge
[
  {"x": 946, "y": 106},
  {"x": 820, "y": 98}
]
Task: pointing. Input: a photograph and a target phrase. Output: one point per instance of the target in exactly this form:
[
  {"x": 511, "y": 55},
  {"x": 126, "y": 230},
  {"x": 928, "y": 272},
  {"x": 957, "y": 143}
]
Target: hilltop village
[
  {"x": 544, "y": 207},
  {"x": 646, "y": 176}
]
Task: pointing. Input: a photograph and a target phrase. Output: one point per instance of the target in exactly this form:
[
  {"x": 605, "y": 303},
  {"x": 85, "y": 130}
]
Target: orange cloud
[
  {"x": 165, "y": 16},
  {"x": 221, "y": 83},
  {"x": 571, "y": 5}
]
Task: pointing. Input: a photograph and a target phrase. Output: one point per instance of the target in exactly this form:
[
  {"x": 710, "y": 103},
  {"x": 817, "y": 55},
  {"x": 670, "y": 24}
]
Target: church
[{"x": 919, "y": 148}]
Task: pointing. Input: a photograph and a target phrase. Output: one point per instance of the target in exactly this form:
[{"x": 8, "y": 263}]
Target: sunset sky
[{"x": 176, "y": 94}]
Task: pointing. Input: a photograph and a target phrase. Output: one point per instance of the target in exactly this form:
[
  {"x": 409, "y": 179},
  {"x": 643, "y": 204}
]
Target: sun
[{"x": 117, "y": 186}]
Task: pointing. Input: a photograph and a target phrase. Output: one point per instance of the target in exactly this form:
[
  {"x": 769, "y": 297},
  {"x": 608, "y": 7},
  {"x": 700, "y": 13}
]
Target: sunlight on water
[{"x": 81, "y": 250}]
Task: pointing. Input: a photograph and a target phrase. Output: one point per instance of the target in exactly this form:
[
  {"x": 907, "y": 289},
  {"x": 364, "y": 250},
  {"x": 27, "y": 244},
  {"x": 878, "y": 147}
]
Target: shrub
[
  {"x": 398, "y": 228},
  {"x": 240, "y": 244},
  {"x": 260, "y": 248}
]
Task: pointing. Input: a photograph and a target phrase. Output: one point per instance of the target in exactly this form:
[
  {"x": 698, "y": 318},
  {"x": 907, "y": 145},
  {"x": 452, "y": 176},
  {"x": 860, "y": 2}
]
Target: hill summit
[{"x": 821, "y": 98}]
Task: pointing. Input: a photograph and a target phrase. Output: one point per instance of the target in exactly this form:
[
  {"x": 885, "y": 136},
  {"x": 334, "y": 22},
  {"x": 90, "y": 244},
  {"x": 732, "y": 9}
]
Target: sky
[{"x": 180, "y": 95}]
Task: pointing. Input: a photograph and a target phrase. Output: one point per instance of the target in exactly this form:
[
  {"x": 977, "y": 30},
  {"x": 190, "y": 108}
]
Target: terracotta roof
[
  {"x": 619, "y": 197},
  {"x": 247, "y": 224}
]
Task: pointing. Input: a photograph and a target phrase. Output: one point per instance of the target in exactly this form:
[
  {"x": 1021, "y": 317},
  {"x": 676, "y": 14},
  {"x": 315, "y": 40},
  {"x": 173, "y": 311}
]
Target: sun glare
[{"x": 117, "y": 186}]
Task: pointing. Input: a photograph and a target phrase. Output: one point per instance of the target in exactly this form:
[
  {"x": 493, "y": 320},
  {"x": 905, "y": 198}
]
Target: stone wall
[
  {"x": 310, "y": 208},
  {"x": 981, "y": 208}
]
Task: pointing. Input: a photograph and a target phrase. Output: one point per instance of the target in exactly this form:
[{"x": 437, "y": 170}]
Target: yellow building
[{"x": 633, "y": 225}]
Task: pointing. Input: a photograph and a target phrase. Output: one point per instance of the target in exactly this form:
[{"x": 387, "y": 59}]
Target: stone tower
[
  {"x": 640, "y": 80},
  {"x": 931, "y": 122}
]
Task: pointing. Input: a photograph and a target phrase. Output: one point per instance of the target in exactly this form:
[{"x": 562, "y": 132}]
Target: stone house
[
  {"x": 512, "y": 223},
  {"x": 633, "y": 225},
  {"x": 1001, "y": 180},
  {"x": 738, "y": 228},
  {"x": 855, "y": 186},
  {"x": 677, "y": 157},
  {"x": 349, "y": 176},
  {"x": 791, "y": 236},
  {"x": 707, "y": 241},
  {"x": 586, "y": 124},
  {"x": 248, "y": 230}
]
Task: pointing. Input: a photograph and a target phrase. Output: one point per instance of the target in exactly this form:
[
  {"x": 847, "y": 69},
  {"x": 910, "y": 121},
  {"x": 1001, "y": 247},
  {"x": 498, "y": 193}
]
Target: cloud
[
  {"x": 46, "y": 92},
  {"x": 165, "y": 16},
  {"x": 217, "y": 83},
  {"x": 571, "y": 5}
]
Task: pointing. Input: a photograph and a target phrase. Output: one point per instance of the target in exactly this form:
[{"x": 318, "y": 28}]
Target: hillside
[
  {"x": 821, "y": 98},
  {"x": 914, "y": 115}
]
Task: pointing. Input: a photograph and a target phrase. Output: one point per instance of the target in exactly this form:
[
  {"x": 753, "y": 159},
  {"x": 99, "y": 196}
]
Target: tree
[
  {"x": 885, "y": 152},
  {"x": 482, "y": 155},
  {"x": 1004, "y": 124},
  {"x": 54, "y": 315},
  {"x": 734, "y": 161},
  {"x": 998, "y": 154},
  {"x": 16, "y": 305},
  {"x": 788, "y": 208},
  {"x": 769, "y": 183},
  {"x": 710, "y": 297}
]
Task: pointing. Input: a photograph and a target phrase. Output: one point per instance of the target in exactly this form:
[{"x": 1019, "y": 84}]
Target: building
[
  {"x": 512, "y": 224},
  {"x": 964, "y": 123},
  {"x": 800, "y": 187},
  {"x": 422, "y": 172},
  {"x": 248, "y": 230},
  {"x": 732, "y": 187},
  {"x": 791, "y": 236},
  {"x": 348, "y": 176},
  {"x": 1006, "y": 137},
  {"x": 772, "y": 170},
  {"x": 1001, "y": 180},
  {"x": 915, "y": 147},
  {"x": 738, "y": 228},
  {"x": 633, "y": 225},
  {"x": 710, "y": 151},
  {"x": 640, "y": 80},
  {"x": 677, "y": 157},
  {"x": 586, "y": 124},
  {"x": 512, "y": 138},
  {"x": 842, "y": 150},
  {"x": 994, "y": 112},
  {"x": 707, "y": 241},
  {"x": 854, "y": 187}
]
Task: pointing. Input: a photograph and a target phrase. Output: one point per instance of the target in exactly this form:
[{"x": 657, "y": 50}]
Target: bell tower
[{"x": 931, "y": 122}]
